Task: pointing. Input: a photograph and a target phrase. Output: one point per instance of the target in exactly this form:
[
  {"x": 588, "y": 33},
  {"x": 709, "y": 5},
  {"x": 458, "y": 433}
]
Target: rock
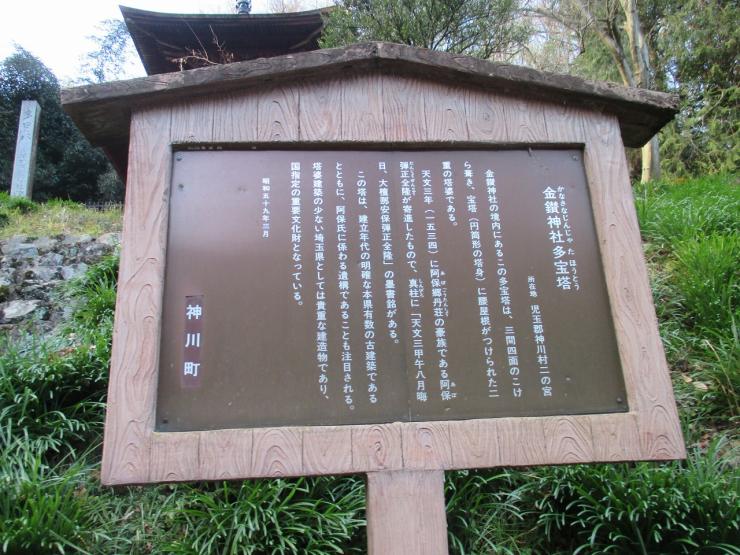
[
  {"x": 112, "y": 239},
  {"x": 42, "y": 273},
  {"x": 45, "y": 244},
  {"x": 73, "y": 240},
  {"x": 73, "y": 271},
  {"x": 52, "y": 259},
  {"x": 6, "y": 288},
  {"x": 96, "y": 249},
  {"x": 15, "y": 310},
  {"x": 21, "y": 250},
  {"x": 13, "y": 242}
]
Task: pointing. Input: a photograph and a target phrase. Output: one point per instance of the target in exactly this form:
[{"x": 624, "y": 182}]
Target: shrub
[
  {"x": 94, "y": 295},
  {"x": 484, "y": 514},
  {"x": 670, "y": 212},
  {"x": 22, "y": 205},
  {"x": 43, "y": 508},
  {"x": 706, "y": 275},
  {"x": 302, "y": 516},
  {"x": 642, "y": 508}
]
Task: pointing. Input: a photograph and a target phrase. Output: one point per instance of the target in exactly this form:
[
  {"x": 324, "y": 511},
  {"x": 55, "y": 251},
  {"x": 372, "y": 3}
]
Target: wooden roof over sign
[
  {"x": 103, "y": 111},
  {"x": 173, "y": 42}
]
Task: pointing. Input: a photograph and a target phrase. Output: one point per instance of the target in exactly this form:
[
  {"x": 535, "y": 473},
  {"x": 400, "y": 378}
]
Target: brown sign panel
[{"x": 351, "y": 287}]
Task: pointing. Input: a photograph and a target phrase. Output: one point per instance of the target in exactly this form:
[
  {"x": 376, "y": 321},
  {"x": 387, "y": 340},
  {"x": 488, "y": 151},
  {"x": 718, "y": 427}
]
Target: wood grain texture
[
  {"x": 277, "y": 452},
  {"x": 377, "y": 447},
  {"x": 426, "y": 445},
  {"x": 649, "y": 390},
  {"x": 193, "y": 121},
  {"x": 522, "y": 442},
  {"x": 327, "y": 450},
  {"x": 525, "y": 120},
  {"x": 133, "y": 378},
  {"x": 444, "y": 107},
  {"x": 174, "y": 457},
  {"x": 475, "y": 443},
  {"x": 568, "y": 438},
  {"x": 224, "y": 454},
  {"x": 485, "y": 115},
  {"x": 404, "y": 116},
  {"x": 615, "y": 437},
  {"x": 362, "y": 107},
  {"x": 406, "y": 513},
  {"x": 235, "y": 117},
  {"x": 321, "y": 110},
  {"x": 278, "y": 114},
  {"x": 564, "y": 123}
]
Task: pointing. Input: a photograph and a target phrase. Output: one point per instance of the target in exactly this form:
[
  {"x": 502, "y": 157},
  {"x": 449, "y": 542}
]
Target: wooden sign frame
[
  {"x": 374, "y": 96},
  {"x": 376, "y": 109},
  {"x": 405, "y": 462}
]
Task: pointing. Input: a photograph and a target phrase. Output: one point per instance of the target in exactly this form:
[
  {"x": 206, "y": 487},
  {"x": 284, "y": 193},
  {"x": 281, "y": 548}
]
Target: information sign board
[{"x": 308, "y": 287}]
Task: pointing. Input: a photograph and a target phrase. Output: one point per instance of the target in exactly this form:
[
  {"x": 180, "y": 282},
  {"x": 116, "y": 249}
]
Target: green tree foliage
[
  {"x": 618, "y": 33},
  {"x": 482, "y": 28},
  {"x": 66, "y": 166},
  {"x": 699, "y": 45},
  {"x": 692, "y": 50}
]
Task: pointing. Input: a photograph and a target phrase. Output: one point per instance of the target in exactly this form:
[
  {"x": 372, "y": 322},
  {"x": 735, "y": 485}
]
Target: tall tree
[
  {"x": 698, "y": 44},
  {"x": 114, "y": 56},
  {"x": 483, "y": 28},
  {"x": 66, "y": 165},
  {"x": 619, "y": 26}
]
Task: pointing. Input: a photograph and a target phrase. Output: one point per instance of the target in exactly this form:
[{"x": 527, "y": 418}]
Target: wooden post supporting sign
[{"x": 406, "y": 513}]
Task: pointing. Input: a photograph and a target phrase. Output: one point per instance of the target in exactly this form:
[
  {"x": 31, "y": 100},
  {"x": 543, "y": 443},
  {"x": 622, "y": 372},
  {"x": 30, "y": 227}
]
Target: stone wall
[{"x": 31, "y": 271}]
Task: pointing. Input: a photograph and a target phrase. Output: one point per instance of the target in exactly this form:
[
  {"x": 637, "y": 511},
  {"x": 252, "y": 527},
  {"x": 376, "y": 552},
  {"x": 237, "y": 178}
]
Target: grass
[
  {"x": 52, "y": 391},
  {"x": 56, "y": 217},
  {"x": 692, "y": 241},
  {"x": 691, "y": 507}
]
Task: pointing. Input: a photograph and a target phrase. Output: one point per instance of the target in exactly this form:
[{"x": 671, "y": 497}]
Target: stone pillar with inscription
[{"x": 25, "y": 150}]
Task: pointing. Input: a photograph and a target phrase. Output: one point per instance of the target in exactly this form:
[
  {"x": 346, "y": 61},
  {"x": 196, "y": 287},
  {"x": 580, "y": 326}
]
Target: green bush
[
  {"x": 671, "y": 212},
  {"x": 22, "y": 205},
  {"x": 720, "y": 367},
  {"x": 642, "y": 508},
  {"x": 484, "y": 513},
  {"x": 53, "y": 391},
  {"x": 302, "y": 516},
  {"x": 693, "y": 234},
  {"x": 706, "y": 275},
  {"x": 19, "y": 204},
  {"x": 43, "y": 508},
  {"x": 94, "y": 296}
]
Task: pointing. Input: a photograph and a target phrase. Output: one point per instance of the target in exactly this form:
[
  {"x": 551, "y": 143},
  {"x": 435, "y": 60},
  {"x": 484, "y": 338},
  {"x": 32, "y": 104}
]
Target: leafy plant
[
  {"x": 484, "y": 513},
  {"x": 43, "y": 508},
  {"x": 642, "y": 508},
  {"x": 320, "y": 515},
  {"x": 706, "y": 274},
  {"x": 94, "y": 295},
  {"x": 671, "y": 212}
]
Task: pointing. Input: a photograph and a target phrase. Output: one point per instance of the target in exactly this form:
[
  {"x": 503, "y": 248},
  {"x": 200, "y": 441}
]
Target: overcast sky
[{"x": 57, "y": 31}]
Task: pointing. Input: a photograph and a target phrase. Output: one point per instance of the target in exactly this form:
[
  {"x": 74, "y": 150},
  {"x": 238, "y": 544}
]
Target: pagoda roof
[{"x": 171, "y": 42}]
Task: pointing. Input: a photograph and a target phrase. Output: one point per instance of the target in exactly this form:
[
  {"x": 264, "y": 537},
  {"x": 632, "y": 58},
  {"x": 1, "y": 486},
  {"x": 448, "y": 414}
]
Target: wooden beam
[
  {"x": 406, "y": 513},
  {"x": 103, "y": 111}
]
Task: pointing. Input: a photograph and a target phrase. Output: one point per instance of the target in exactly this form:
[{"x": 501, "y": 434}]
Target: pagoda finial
[{"x": 243, "y": 6}]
